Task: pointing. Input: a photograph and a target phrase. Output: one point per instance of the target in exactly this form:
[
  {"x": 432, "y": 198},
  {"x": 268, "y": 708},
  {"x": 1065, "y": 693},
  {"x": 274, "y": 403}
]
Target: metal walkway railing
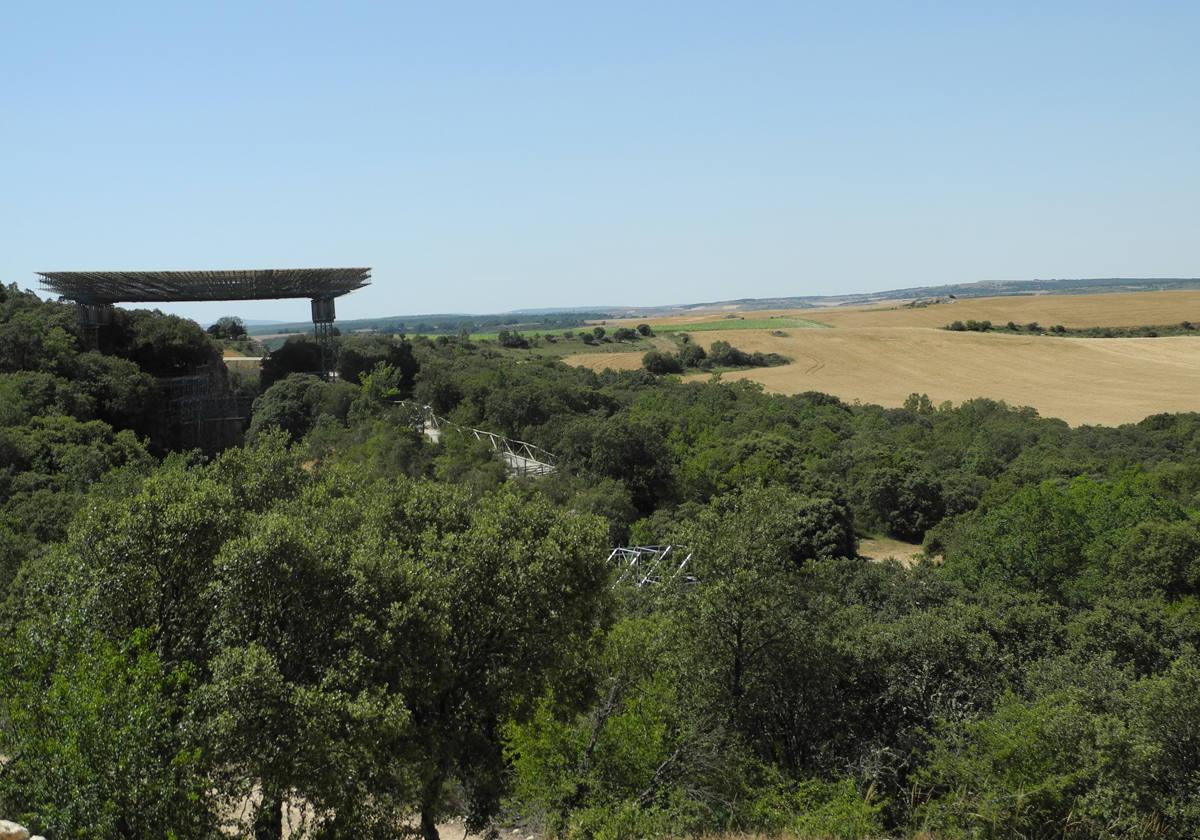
[{"x": 524, "y": 459}]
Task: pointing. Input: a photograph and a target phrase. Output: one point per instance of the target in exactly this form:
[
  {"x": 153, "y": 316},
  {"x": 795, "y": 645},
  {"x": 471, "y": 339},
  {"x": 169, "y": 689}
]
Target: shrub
[
  {"x": 514, "y": 340},
  {"x": 692, "y": 355},
  {"x": 724, "y": 354},
  {"x": 658, "y": 362}
]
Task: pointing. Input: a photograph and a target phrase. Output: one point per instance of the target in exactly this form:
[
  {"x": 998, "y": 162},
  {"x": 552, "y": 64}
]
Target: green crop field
[
  {"x": 492, "y": 336},
  {"x": 742, "y": 324},
  {"x": 661, "y": 329}
]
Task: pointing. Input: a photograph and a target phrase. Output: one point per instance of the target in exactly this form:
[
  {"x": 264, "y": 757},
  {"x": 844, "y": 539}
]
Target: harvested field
[
  {"x": 883, "y": 355},
  {"x": 1123, "y": 309},
  {"x": 1112, "y": 310}
]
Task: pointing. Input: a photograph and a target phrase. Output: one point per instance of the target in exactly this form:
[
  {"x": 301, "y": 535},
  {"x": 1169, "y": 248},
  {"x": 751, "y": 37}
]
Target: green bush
[
  {"x": 96, "y": 752},
  {"x": 658, "y": 362}
]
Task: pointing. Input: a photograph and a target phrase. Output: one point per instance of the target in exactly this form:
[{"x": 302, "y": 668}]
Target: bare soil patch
[{"x": 884, "y": 548}]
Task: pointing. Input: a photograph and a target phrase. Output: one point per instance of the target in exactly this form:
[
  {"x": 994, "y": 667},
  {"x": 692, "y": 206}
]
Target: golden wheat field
[
  {"x": 1123, "y": 309},
  {"x": 883, "y": 354}
]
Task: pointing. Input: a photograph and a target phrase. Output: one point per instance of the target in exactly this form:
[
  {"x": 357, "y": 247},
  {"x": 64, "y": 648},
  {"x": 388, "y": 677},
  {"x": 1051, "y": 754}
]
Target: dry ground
[
  {"x": 885, "y": 548},
  {"x": 881, "y": 355},
  {"x": 1122, "y": 309},
  {"x": 237, "y": 359}
]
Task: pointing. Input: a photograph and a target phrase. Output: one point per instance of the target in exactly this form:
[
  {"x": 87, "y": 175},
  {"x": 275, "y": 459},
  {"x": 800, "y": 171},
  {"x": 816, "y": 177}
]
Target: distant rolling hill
[
  {"x": 958, "y": 290},
  {"x": 533, "y": 320}
]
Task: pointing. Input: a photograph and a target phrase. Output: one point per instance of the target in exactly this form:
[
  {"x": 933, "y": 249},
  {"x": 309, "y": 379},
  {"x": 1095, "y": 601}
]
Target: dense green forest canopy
[{"x": 345, "y": 621}]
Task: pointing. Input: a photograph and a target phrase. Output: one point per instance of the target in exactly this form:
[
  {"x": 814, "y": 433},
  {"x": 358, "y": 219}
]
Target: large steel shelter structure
[{"x": 95, "y": 292}]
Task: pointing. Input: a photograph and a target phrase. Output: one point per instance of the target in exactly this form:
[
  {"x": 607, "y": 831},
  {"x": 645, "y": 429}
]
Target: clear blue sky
[{"x": 503, "y": 155}]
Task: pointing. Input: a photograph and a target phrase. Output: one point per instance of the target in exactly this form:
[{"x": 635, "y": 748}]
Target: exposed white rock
[{"x": 12, "y": 831}]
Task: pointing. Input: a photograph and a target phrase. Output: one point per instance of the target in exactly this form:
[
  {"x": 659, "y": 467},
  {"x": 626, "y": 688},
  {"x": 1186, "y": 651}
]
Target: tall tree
[{"x": 476, "y": 606}]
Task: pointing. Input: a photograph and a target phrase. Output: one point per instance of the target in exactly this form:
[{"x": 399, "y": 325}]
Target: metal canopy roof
[{"x": 236, "y": 284}]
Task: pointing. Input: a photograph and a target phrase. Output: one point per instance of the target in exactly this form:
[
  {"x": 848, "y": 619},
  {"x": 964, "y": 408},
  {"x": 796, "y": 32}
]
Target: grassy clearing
[
  {"x": 492, "y": 336},
  {"x": 574, "y": 347},
  {"x": 665, "y": 328},
  {"x": 475, "y": 336},
  {"x": 741, "y": 324}
]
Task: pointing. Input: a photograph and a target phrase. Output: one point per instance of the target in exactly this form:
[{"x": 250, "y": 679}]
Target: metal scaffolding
[
  {"x": 92, "y": 317},
  {"x": 95, "y": 292},
  {"x": 323, "y": 316},
  {"x": 200, "y": 411},
  {"x": 644, "y": 565},
  {"x": 231, "y": 284}
]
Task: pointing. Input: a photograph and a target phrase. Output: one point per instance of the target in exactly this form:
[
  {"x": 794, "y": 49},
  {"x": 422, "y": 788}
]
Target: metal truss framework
[
  {"x": 95, "y": 292},
  {"x": 108, "y": 287},
  {"x": 643, "y": 565},
  {"x": 522, "y": 459}
]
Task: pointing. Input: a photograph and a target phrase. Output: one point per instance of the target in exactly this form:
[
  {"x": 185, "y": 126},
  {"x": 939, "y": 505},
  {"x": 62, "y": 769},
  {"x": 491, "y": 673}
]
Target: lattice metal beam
[
  {"x": 644, "y": 565},
  {"x": 96, "y": 291},
  {"x": 99, "y": 287}
]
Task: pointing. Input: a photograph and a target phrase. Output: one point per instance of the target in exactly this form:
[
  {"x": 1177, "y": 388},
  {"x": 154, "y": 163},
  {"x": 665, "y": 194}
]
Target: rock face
[{"x": 12, "y": 831}]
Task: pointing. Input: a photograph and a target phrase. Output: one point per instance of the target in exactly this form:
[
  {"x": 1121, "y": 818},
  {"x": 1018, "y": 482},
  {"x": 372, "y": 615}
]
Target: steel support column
[{"x": 323, "y": 316}]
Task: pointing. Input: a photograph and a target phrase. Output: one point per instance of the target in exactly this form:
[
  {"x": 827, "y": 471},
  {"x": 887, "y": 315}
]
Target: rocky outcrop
[{"x": 12, "y": 831}]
